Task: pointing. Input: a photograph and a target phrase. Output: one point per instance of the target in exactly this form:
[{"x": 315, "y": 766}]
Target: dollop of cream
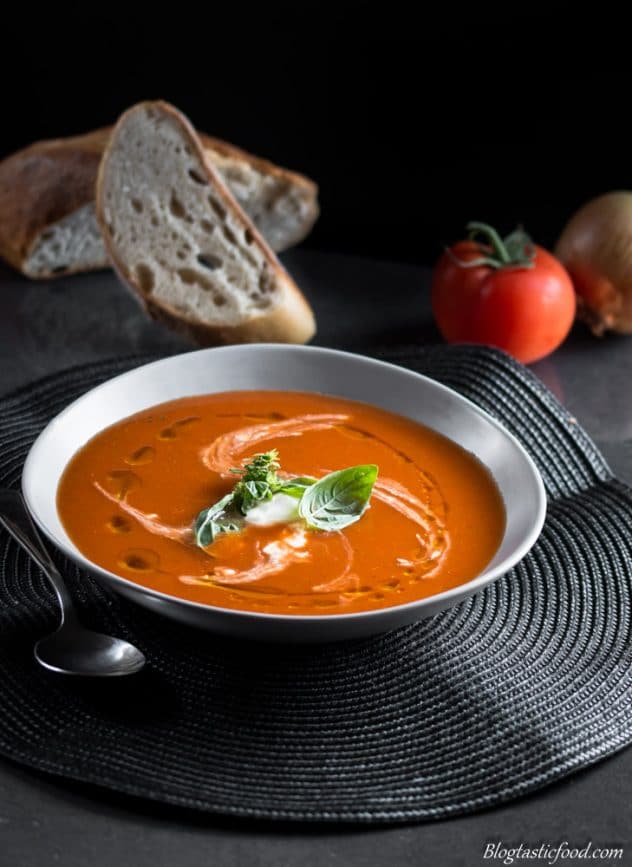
[{"x": 279, "y": 509}]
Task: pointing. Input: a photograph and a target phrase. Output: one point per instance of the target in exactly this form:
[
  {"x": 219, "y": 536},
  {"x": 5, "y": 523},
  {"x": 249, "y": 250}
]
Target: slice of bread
[
  {"x": 47, "y": 222},
  {"x": 181, "y": 242},
  {"x": 48, "y": 226}
]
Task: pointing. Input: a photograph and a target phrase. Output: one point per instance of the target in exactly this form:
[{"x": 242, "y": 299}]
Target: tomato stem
[
  {"x": 493, "y": 239},
  {"x": 515, "y": 251}
]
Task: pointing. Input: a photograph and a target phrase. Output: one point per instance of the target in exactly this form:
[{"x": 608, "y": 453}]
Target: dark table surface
[{"x": 46, "y": 327}]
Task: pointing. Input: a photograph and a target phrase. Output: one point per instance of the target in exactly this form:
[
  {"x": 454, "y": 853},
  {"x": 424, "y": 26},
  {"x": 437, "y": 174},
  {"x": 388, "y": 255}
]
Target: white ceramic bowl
[{"x": 293, "y": 368}]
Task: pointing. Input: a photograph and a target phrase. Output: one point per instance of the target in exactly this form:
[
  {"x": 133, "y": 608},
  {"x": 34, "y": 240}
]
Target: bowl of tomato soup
[{"x": 284, "y": 493}]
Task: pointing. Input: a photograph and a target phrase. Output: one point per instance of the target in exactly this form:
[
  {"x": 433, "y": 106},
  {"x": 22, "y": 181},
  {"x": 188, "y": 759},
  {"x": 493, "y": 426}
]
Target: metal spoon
[{"x": 72, "y": 649}]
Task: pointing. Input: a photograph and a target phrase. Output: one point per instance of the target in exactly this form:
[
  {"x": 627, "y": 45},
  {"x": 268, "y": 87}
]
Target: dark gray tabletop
[{"x": 46, "y": 327}]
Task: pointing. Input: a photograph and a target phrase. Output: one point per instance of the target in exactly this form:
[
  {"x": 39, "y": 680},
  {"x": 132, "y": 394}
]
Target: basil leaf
[
  {"x": 296, "y": 487},
  {"x": 215, "y": 520},
  {"x": 338, "y": 499}
]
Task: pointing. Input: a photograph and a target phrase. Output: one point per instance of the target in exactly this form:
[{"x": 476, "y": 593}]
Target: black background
[{"x": 414, "y": 119}]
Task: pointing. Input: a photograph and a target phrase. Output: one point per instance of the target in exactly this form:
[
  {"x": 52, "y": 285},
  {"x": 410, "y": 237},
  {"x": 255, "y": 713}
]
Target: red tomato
[{"x": 525, "y": 309}]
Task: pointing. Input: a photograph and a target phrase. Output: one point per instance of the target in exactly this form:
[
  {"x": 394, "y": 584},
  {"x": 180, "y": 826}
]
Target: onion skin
[{"x": 596, "y": 248}]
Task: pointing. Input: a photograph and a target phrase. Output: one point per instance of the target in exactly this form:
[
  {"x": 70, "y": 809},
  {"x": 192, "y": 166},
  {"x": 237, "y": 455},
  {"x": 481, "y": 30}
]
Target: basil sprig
[
  {"x": 338, "y": 499},
  {"x": 259, "y": 481},
  {"x": 331, "y": 503}
]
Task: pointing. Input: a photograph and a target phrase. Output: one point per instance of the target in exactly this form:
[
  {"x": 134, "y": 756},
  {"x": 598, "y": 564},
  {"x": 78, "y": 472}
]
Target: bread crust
[
  {"x": 290, "y": 321},
  {"x": 49, "y": 180}
]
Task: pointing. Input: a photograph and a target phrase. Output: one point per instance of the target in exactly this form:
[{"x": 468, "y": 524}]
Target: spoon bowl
[{"x": 75, "y": 650}]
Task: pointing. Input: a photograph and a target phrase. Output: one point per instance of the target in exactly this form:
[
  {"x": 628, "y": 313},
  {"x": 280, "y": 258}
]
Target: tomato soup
[{"x": 130, "y": 497}]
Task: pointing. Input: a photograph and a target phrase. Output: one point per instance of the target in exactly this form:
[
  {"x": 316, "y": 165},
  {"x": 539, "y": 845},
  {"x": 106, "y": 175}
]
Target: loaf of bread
[
  {"x": 47, "y": 222},
  {"x": 181, "y": 242}
]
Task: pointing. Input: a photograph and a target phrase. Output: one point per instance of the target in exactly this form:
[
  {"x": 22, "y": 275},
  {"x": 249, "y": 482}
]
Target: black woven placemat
[{"x": 512, "y": 689}]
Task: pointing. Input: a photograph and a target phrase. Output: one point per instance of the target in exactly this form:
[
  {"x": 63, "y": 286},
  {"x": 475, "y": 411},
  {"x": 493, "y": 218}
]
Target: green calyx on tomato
[{"x": 516, "y": 250}]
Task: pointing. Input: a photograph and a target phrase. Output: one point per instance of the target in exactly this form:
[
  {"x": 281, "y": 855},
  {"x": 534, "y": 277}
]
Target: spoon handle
[{"x": 16, "y": 519}]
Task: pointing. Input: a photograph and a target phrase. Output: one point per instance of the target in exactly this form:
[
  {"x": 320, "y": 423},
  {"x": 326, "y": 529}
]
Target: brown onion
[{"x": 596, "y": 248}]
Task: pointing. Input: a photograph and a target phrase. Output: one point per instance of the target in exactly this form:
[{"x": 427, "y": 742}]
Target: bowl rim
[{"x": 437, "y": 601}]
